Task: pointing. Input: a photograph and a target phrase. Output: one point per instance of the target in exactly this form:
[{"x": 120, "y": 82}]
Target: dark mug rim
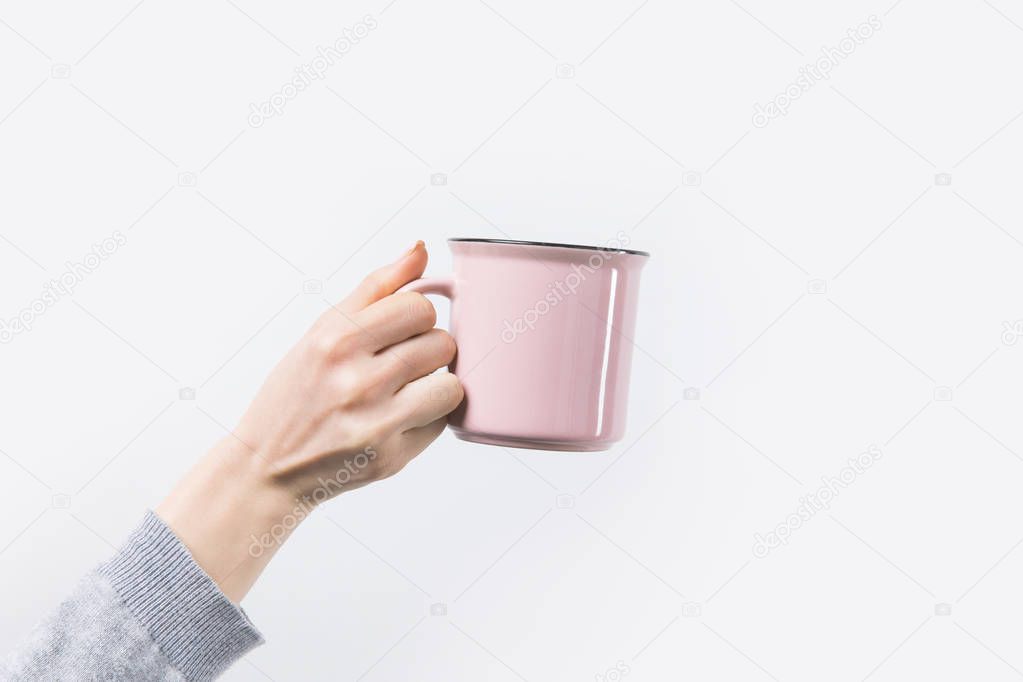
[{"x": 554, "y": 244}]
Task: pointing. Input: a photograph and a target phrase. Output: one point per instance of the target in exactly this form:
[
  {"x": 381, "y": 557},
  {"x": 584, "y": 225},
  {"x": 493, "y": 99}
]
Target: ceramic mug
[{"x": 544, "y": 341}]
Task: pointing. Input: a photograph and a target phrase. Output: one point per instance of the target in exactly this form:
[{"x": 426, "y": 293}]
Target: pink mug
[{"x": 544, "y": 341}]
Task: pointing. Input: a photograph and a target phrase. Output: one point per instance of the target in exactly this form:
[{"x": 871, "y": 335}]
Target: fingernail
[{"x": 411, "y": 250}]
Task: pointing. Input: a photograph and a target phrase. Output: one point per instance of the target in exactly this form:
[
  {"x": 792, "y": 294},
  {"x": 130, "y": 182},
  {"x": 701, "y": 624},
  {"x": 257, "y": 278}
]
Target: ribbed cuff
[{"x": 198, "y": 629}]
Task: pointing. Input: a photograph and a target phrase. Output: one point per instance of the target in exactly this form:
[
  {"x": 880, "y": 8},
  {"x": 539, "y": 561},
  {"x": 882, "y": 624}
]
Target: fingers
[
  {"x": 407, "y": 445},
  {"x": 387, "y": 279},
  {"x": 395, "y": 319},
  {"x": 428, "y": 399},
  {"x": 416, "y": 440},
  {"x": 416, "y": 357}
]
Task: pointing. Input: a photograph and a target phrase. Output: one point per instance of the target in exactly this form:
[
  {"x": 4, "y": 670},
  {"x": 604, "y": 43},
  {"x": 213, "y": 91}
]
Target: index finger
[{"x": 388, "y": 279}]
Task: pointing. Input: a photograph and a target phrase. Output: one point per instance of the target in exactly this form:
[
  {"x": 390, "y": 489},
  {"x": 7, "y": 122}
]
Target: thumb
[{"x": 388, "y": 279}]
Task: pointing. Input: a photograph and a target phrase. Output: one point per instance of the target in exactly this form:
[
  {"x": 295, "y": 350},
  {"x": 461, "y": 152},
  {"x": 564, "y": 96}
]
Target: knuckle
[
  {"x": 375, "y": 285},
  {"x": 348, "y": 341},
  {"x": 321, "y": 344},
  {"x": 351, "y": 388},
  {"x": 329, "y": 339},
  {"x": 359, "y": 438},
  {"x": 420, "y": 309}
]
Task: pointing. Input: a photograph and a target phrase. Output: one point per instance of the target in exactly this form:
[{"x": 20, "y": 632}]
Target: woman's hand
[
  {"x": 353, "y": 402},
  {"x": 359, "y": 382}
]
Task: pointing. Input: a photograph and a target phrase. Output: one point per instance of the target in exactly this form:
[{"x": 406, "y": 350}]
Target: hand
[
  {"x": 356, "y": 398},
  {"x": 353, "y": 402}
]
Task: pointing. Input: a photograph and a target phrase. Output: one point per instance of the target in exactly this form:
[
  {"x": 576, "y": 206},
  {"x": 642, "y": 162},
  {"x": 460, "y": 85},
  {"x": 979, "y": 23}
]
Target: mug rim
[{"x": 554, "y": 244}]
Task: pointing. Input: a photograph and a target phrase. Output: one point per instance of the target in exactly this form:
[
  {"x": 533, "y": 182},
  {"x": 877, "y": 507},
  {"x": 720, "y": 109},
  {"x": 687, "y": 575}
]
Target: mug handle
[{"x": 442, "y": 286}]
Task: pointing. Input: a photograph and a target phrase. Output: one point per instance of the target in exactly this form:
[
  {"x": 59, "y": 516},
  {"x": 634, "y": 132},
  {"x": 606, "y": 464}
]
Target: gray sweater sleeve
[{"x": 149, "y": 613}]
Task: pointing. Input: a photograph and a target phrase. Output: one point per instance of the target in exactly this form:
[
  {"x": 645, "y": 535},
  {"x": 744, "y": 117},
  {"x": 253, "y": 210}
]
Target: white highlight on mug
[{"x": 607, "y": 350}]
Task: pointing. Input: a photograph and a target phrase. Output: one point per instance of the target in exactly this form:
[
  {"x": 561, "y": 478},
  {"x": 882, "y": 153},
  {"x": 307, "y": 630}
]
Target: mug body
[{"x": 544, "y": 342}]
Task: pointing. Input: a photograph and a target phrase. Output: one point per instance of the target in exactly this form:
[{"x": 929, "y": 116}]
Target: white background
[{"x": 813, "y": 285}]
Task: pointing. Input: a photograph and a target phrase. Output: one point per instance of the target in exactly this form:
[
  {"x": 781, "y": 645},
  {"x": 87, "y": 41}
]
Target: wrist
[{"x": 232, "y": 515}]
